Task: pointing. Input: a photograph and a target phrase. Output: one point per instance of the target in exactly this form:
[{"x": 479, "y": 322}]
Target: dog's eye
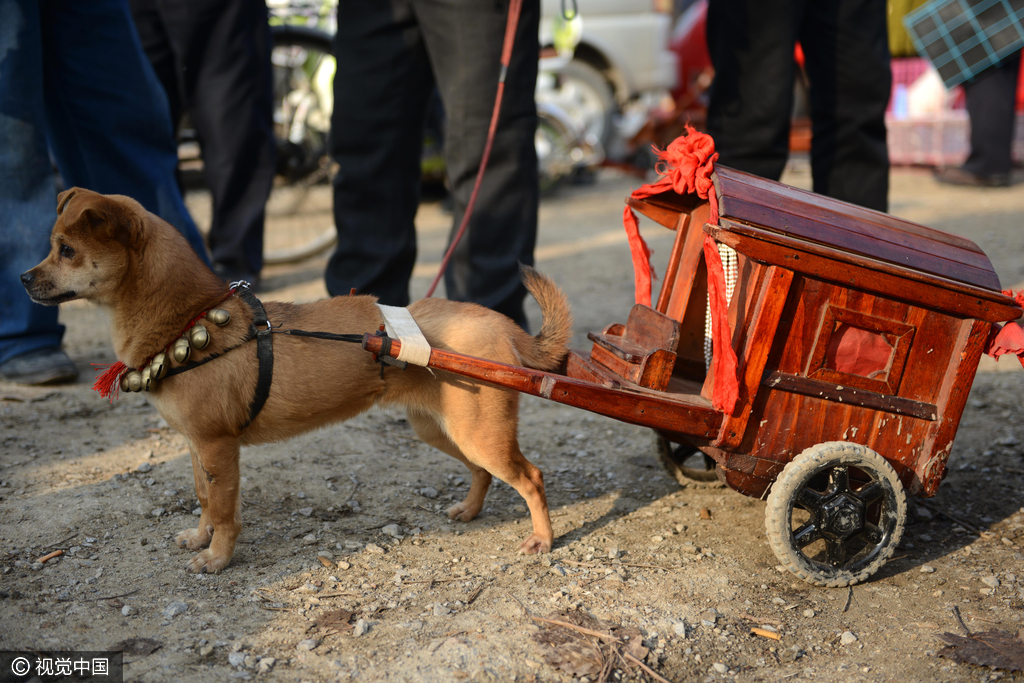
[{"x": 66, "y": 251}]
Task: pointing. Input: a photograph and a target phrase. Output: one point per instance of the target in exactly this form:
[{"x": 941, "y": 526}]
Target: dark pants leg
[
  {"x": 381, "y": 88},
  {"x": 28, "y": 195},
  {"x": 464, "y": 41},
  {"x": 847, "y": 49},
  {"x": 107, "y": 118},
  {"x": 388, "y": 57},
  {"x": 991, "y": 98},
  {"x": 213, "y": 58},
  {"x": 751, "y": 45}
]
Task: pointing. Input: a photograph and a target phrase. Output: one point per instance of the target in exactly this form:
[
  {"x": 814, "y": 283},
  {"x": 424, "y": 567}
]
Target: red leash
[{"x": 506, "y": 56}]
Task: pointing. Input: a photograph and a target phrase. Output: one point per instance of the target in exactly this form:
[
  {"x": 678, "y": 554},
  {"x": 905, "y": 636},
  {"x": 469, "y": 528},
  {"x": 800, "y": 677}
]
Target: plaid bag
[{"x": 962, "y": 38}]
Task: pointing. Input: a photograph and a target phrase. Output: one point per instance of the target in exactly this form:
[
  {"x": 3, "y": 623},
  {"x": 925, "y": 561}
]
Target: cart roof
[{"x": 849, "y": 231}]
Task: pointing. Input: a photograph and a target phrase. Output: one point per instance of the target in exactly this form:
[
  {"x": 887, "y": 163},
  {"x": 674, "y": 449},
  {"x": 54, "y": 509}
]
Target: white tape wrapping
[{"x": 400, "y": 325}]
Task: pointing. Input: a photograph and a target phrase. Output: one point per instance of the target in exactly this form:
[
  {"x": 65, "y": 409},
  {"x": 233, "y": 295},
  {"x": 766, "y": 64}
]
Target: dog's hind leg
[
  {"x": 428, "y": 429},
  {"x": 484, "y": 432},
  {"x": 218, "y": 462},
  {"x": 198, "y": 538},
  {"x": 522, "y": 475}
]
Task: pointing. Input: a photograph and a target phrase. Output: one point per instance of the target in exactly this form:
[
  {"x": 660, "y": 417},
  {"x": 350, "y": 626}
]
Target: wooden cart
[{"x": 857, "y": 335}]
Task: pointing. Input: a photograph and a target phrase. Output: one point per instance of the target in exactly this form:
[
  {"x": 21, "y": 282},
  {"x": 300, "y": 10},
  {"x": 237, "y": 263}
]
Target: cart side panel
[
  {"x": 803, "y": 401},
  {"x": 921, "y": 341},
  {"x": 956, "y": 385}
]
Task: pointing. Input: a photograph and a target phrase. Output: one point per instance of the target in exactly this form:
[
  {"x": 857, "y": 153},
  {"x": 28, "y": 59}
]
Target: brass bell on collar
[
  {"x": 147, "y": 378},
  {"x": 199, "y": 337},
  {"x": 132, "y": 381},
  {"x": 158, "y": 366},
  {"x": 218, "y": 316},
  {"x": 180, "y": 350}
]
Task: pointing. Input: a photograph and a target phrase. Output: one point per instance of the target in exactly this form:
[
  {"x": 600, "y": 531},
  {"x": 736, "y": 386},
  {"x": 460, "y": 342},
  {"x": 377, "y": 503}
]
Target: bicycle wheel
[{"x": 300, "y": 221}]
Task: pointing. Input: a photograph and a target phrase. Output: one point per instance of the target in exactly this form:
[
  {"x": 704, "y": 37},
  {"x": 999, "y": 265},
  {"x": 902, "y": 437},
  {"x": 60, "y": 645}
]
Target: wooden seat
[{"x": 641, "y": 352}]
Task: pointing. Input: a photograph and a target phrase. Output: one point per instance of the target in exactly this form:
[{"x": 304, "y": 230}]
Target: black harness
[{"x": 261, "y": 330}]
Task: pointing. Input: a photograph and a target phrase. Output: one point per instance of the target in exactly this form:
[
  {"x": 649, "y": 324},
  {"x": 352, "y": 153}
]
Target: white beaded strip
[
  {"x": 731, "y": 267},
  {"x": 400, "y": 325}
]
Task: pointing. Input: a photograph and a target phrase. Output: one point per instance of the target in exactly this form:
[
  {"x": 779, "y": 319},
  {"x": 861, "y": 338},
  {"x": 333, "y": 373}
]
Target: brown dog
[{"x": 108, "y": 249}]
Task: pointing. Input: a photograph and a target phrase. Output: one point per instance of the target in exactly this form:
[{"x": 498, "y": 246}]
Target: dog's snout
[{"x": 27, "y": 278}]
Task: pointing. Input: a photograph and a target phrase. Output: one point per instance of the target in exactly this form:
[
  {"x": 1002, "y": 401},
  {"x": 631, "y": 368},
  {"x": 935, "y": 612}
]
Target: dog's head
[{"x": 89, "y": 247}]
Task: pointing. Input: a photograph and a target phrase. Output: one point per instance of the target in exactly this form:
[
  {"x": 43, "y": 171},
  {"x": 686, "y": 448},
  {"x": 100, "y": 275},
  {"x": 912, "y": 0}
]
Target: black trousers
[
  {"x": 391, "y": 54},
  {"x": 847, "y": 62},
  {"x": 991, "y": 101},
  {"x": 213, "y": 58}
]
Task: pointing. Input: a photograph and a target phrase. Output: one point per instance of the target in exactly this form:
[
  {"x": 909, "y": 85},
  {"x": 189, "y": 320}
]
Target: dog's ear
[
  {"x": 83, "y": 213},
  {"x": 121, "y": 218},
  {"x": 64, "y": 197}
]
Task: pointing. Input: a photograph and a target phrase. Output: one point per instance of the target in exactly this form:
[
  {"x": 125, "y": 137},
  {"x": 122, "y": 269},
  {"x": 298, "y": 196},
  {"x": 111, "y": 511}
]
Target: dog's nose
[{"x": 27, "y": 277}]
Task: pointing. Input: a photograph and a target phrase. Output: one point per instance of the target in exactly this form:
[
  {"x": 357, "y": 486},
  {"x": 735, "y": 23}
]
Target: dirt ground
[{"x": 347, "y": 568}]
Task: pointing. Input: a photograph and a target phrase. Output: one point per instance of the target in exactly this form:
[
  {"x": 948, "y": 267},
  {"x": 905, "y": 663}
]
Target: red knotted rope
[
  {"x": 686, "y": 166},
  {"x": 108, "y": 382}
]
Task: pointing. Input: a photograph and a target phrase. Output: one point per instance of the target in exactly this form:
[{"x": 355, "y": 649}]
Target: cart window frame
[{"x": 898, "y": 335}]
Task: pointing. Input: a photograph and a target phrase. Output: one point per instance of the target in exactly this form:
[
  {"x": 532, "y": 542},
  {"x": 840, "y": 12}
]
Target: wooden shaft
[{"x": 682, "y": 413}]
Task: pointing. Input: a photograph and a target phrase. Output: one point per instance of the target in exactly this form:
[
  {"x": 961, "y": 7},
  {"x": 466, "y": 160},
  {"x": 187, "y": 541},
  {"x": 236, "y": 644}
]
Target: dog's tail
[{"x": 548, "y": 349}]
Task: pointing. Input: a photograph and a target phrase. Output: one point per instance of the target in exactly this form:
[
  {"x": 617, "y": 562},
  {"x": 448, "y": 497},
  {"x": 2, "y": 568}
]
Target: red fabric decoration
[
  {"x": 686, "y": 166},
  {"x": 641, "y": 253},
  {"x": 723, "y": 358},
  {"x": 1008, "y": 338},
  {"x": 856, "y": 351}
]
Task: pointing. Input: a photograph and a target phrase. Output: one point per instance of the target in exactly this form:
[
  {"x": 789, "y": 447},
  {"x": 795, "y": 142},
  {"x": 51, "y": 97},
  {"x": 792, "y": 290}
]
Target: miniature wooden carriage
[
  {"x": 849, "y": 326},
  {"x": 857, "y": 336}
]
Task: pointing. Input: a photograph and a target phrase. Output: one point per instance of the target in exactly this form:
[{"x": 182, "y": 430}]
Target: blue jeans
[{"x": 74, "y": 81}]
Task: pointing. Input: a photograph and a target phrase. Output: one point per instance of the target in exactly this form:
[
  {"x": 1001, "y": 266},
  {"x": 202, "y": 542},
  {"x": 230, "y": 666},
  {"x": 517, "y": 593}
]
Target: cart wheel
[
  {"x": 836, "y": 514},
  {"x": 685, "y": 463}
]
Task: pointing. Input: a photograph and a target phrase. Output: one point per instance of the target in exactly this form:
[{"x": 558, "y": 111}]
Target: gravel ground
[{"x": 347, "y": 568}]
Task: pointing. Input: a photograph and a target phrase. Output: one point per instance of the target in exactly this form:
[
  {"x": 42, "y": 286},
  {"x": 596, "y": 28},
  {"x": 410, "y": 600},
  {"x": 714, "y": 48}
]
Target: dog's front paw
[
  {"x": 195, "y": 539},
  {"x": 463, "y": 511},
  {"x": 207, "y": 562},
  {"x": 534, "y": 545}
]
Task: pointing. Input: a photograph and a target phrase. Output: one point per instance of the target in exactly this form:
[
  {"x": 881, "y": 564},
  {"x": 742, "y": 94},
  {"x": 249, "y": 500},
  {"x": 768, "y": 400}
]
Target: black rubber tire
[
  {"x": 799, "y": 486},
  {"x": 599, "y": 92},
  {"x": 683, "y": 462}
]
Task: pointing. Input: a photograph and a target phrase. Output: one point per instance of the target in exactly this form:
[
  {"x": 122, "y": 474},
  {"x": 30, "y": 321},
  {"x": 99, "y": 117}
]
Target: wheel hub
[{"x": 841, "y": 517}]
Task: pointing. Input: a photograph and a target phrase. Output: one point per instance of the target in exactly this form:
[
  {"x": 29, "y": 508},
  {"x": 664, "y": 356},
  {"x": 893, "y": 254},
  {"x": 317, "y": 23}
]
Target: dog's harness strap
[
  {"x": 329, "y": 336},
  {"x": 264, "y": 353},
  {"x": 401, "y": 326}
]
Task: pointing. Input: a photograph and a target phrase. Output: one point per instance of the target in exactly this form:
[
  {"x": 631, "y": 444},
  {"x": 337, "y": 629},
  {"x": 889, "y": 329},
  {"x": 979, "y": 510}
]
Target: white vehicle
[{"x": 623, "y": 53}]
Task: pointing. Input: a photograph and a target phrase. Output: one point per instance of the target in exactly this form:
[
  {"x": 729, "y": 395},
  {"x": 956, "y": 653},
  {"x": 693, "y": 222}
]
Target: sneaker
[
  {"x": 958, "y": 176},
  {"x": 42, "y": 366}
]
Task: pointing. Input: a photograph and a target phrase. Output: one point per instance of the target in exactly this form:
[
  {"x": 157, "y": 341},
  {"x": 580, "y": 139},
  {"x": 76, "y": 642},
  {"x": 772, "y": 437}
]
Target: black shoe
[
  {"x": 958, "y": 176},
  {"x": 42, "y": 366},
  {"x": 231, "y": 275}
]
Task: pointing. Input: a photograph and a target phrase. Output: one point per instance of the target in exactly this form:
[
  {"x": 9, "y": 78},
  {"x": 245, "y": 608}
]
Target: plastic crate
[{"x": 940, "y": 140}]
